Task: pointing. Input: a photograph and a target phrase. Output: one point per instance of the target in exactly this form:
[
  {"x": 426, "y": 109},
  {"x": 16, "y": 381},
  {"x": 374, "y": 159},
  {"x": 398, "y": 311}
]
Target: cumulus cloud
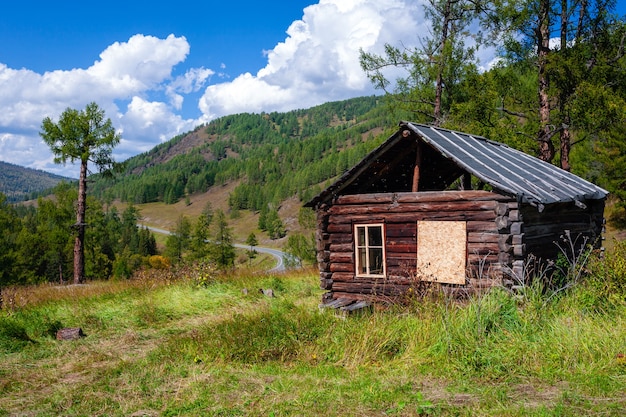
[
  {"x": 134, "y": 81},
  {"x": 126, "y": 71},
  {"x": 319, "y": 59}
]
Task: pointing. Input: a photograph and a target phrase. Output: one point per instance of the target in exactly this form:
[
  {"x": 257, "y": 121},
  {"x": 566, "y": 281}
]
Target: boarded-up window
[
  {"x": 370, "y": 251},
  {"x": 441, "y": 251}
]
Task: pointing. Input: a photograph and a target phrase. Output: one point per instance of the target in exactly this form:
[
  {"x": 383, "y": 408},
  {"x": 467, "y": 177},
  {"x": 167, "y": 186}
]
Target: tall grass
[{"x": 218, "y": 346}]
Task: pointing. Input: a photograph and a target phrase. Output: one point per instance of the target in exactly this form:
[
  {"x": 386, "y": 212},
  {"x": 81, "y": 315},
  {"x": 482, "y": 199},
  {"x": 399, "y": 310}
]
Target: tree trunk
[
  {"x": 79, "y": 242},
  {"x": 565, "y": 138},
  {"x": 440, "y": 64},
  {"x": 544, "y": 136}
]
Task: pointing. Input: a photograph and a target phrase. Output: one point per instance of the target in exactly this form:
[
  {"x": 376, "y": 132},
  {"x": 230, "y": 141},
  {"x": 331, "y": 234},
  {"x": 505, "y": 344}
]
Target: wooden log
[
  {"x": 434, "y": 196},
  {"x": 420, "y": 197},
  {"x": 482, "y": 237},
  {"x": 416, "y": 168},
  {"x": 503, "y": 223},
  {"x": 517, "y": 239},
  {"x": 483, "y": 248},
  {"x": 337, "y": 222},
  {"x": 341, "y": 257},
  {"x": 481, "y": 226},
  {"x": 343, "y": 276},
  {"x": 519, "y": 250},
  {"x": 372, "y": 209},
  {"x": 517, "y": 228},
  {"x": 501, "y": 209},
  {"x": 401, "y": 247},
  {"x": 323, "y": 256},
  {"x": 326, "y": 284},
  {"x": 342, "y": 267},
  {"x": 340, "y": 228},
  {"x": 341, "y": 247},
  {"x": 504, "y": 258},
  {"x": 340, "y": 238},
  {"x": 483, "y": 258},
  {"x": 404, "y": 230},
  {"x": 323, "y": 266},
  {"x": 515, "y": 216}
]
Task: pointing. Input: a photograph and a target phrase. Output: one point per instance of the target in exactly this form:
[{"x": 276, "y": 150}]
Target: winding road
[{"x": 277, "y": 254}]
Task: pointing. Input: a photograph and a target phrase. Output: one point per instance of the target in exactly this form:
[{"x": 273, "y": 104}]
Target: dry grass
[{"x": 164, "y": 216}]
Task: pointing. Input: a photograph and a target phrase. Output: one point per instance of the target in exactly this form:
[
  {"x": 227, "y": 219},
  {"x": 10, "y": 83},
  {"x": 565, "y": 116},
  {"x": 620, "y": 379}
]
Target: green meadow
[{"x": 195, "y": 343}]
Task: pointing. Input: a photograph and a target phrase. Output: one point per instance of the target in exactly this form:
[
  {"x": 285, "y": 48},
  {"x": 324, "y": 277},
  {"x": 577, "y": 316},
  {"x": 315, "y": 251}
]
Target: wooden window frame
[{"x": 367, "y": 247}]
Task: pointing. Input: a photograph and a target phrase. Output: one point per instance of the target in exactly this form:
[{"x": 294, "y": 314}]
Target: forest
[
  {"x": 18, "y": 183},
  {"x": 557, "y": 91}
]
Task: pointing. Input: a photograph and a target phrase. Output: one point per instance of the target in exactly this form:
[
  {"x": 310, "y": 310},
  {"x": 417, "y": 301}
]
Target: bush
[{"x": 605, "y": 286}]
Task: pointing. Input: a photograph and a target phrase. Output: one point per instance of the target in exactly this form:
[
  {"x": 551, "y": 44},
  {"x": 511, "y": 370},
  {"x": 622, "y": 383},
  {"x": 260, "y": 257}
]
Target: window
[{"x": 370, "y": 253}]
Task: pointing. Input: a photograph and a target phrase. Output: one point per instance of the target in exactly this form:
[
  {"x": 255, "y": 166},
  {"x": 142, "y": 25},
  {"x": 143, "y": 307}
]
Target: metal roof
[{"x": 507, "y": 170}]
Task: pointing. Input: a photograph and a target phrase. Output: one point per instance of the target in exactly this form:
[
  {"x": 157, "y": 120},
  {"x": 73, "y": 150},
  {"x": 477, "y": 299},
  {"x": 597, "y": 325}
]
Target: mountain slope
[
  {"x": 19, "y": 183},
  {"x": 272, "y": 156}
]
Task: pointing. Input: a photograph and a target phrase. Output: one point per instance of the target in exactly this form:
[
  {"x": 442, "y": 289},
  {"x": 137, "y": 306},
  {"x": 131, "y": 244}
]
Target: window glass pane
[
  {"x": 362, "y": 260},
  {"x": 375, "y": 236},
  {"x": 360, "y": 231},
  {"x": 376, "y": 260}
]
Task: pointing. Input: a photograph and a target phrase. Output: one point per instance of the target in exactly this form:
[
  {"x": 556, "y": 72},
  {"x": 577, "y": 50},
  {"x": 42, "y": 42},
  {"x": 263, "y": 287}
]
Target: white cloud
[
  {"x": 133, "y": 81},
  {"x": 148, "y": 124},
  {"x": 319, "y": 59},
  {"x": 126, "y": 71}
]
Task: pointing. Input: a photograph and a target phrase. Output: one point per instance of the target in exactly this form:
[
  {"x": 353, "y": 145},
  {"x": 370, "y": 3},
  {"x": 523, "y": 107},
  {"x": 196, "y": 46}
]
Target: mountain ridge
[{"x": 18, "y": 183}]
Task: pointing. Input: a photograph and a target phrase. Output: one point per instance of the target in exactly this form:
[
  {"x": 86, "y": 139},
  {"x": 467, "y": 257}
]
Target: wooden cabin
[{"x": 435, "y": 205}]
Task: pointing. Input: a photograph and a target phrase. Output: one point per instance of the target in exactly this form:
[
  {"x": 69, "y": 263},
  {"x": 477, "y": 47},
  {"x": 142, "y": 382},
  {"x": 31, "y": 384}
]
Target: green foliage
[
  {"x": 222, "y": 251},
  {"x": 179, "y": 240},
  {"x": 278, "y": 155},
  {"x": 37, "y": 243},
  {"x": 13, "y": 336},
  {"x": 301, "y": 249},
  {"x": 270, "y": 222},
  {"x": 81, "y": 135},
  {"x": 604, "y": 287},
  {"x": 275, "y": 332},
  {"x": 19, "y": 183}
]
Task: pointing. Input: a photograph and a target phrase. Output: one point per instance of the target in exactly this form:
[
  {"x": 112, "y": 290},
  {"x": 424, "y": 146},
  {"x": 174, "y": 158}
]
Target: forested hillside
[
  {"x": 18, "y": 183},
  {"x": 274, "y": 156}
]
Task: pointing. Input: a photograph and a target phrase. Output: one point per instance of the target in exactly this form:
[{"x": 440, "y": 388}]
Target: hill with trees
[
  {"x": 18, "y": 183},
  {"x": 272, "y": 156}
]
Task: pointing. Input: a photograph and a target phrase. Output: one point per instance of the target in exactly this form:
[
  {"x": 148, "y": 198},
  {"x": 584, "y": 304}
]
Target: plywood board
[{"x": 441, "y": 251}]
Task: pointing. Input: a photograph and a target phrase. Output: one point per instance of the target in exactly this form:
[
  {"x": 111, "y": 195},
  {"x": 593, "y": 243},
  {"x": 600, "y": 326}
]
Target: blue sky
[{"x": 161, "y": 68}]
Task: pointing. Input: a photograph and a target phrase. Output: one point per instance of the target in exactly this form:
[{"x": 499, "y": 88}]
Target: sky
[{"x": 161, "y": 68}]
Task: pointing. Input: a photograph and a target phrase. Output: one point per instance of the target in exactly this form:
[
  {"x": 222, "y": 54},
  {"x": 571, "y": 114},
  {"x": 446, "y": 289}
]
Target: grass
[{"x": 172, "y": 347}]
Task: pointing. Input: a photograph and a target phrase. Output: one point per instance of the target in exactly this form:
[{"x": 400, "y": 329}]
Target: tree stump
[{"x": 70, "y": 333}]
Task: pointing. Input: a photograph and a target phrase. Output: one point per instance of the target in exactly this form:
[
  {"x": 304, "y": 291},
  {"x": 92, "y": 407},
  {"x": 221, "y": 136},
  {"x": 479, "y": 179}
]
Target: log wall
[
  {"x": 492, "y": 244},
  {"x": 545, "y": 231}
]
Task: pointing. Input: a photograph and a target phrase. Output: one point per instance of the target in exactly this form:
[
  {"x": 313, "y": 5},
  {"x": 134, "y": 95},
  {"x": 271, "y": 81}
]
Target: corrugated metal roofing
[
  {"x": 508, "y": 170},
  {"x": 532, "y": 180}
]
